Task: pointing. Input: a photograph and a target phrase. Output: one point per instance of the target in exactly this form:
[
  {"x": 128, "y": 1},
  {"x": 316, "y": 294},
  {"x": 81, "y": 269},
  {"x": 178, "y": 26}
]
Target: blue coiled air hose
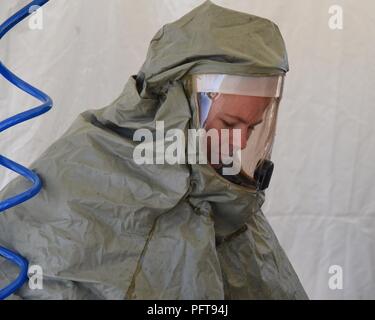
[{"x": 46, "y": 105}]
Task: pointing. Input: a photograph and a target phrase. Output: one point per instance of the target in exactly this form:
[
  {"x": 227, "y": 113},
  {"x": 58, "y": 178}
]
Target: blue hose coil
[{"x": 46, "y": 105}]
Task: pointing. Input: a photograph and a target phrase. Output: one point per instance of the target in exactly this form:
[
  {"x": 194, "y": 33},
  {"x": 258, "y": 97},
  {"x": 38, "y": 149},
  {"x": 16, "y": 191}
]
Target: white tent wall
[{"x": 321, "y": 202}]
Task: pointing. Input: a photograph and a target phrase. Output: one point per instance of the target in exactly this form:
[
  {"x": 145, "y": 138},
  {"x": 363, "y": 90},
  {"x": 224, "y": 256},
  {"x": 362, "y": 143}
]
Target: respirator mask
[{"x": 238, "y": 115}]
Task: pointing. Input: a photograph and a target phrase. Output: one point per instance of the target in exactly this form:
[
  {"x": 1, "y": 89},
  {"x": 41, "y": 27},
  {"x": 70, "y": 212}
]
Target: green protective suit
[{"x": 104, "y": 227}]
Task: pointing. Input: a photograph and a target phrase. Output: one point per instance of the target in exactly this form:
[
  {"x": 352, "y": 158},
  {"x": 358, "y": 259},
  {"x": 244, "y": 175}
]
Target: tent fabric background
[{"x": 321, "y": 202}]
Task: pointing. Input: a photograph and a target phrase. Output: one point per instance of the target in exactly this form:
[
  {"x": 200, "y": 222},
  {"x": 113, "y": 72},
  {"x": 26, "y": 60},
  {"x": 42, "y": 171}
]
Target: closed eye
[{"x": 228, "y": 124}]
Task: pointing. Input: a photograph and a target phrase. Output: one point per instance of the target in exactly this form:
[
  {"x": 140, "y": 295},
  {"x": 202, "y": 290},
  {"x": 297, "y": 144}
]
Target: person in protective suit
[{"x": 104, "y": 227}]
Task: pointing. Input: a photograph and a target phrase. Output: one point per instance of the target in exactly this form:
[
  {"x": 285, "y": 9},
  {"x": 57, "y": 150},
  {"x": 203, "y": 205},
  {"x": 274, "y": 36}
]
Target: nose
[
  {"x": 245, "y": 134},
  {"x": 243, "y": 138}
]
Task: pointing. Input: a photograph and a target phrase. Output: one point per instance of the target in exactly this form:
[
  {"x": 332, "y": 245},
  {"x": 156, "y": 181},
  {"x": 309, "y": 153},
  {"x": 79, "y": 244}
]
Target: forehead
[{"x": 243, "y": 106}]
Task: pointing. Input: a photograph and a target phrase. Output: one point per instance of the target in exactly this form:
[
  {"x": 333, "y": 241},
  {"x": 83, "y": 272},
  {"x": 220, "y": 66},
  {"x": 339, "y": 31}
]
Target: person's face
[{"x": 235, "y": 112}]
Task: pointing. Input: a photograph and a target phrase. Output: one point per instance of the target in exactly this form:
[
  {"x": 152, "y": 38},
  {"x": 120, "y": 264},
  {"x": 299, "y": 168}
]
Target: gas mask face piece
[{"x": 238, "y": 115}]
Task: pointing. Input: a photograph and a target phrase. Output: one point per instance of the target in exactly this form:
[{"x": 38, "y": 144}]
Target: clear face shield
[{"x": 238, "y": 115}]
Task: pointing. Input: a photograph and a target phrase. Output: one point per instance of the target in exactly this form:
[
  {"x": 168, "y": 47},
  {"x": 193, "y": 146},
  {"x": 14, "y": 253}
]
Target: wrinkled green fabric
[{"x": 106, "y": 228}]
